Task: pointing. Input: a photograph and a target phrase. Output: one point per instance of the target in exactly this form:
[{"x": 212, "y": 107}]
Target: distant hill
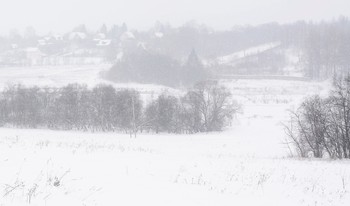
[{"x": 313, "y": 50}]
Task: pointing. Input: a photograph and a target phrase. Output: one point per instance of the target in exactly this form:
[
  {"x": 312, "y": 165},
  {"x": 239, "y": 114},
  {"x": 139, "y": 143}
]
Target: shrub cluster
[{"x": 206, "y": 108}]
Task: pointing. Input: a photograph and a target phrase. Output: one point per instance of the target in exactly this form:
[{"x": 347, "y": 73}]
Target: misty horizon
[
  {"x": 191, "y": 23},
  {"x": 47, "y": 16}
]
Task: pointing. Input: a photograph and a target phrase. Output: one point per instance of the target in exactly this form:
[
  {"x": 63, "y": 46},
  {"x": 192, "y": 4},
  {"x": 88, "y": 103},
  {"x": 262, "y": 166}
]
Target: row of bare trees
[
  {"x": 208, "y": 107},
  {"x": 70, "y": 107},
  {"x": 321, "y": 126}
]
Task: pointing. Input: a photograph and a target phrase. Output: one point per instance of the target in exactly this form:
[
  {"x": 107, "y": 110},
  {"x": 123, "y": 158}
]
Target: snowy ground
[
  {"x": 248, "y": 164},
  {"x": 111, "y": 169}
]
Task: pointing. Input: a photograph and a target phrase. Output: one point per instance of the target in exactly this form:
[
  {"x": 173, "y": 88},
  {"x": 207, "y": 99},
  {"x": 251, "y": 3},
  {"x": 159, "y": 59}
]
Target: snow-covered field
[
  {"x": 248, "y": 164},
  {"x": 51, "y": 75},
  {"x": 59, "y": 76},
  {"x": 56, "y": 168}
]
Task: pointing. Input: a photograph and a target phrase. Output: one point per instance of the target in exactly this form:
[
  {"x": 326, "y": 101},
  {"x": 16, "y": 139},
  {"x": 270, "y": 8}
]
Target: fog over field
[{"x": 175, "y": 102}]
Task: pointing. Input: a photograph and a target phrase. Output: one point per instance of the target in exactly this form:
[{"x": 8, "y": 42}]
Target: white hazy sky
[{"x": 62, "y": 15}]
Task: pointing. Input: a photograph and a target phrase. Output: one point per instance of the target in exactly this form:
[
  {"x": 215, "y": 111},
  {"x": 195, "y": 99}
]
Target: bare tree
[
  {"x": 322, "y": 126},
  {"x": 210, "y": 106}
]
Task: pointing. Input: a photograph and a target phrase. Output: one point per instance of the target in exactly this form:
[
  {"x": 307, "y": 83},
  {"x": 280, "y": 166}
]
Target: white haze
[{"x": 62, "y": 15}]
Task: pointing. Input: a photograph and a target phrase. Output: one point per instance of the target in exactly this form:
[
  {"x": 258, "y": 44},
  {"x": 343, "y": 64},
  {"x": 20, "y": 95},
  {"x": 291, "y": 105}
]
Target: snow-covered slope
[
  {"x": 231, "y": 58},
  {"x": 272, "y": 58}
]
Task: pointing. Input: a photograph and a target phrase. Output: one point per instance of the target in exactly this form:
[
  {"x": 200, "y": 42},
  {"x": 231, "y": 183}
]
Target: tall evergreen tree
[
  {"x": 103, "y": 29},
  {"x": 193, "y": 70}
]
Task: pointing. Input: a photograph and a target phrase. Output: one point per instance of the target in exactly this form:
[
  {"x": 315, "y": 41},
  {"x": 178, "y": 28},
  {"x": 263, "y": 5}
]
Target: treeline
[
  {"x": 207, "y": 107},
  {"x": 321, "y": 126},
  {"x": 327, "y": 49}
]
